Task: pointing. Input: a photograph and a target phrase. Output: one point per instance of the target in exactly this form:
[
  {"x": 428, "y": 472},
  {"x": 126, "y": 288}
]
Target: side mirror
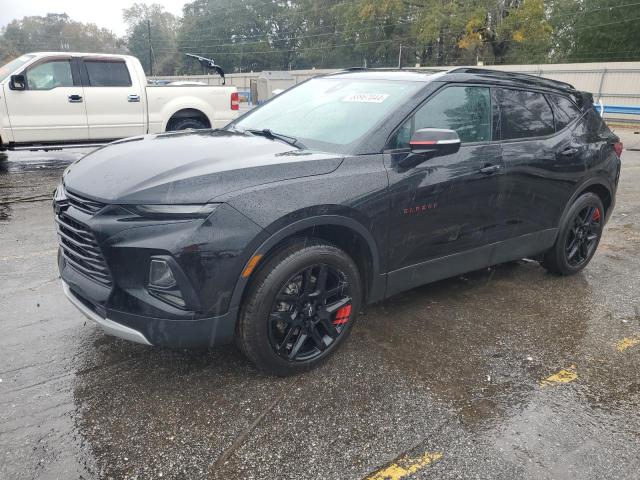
[
  {"x": 435, "y": 141},
  {"x": 18, "y": 82},
  {"x": 429, "y": 143}
]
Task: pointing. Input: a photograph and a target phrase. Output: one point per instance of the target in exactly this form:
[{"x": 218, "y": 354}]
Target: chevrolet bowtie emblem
[{"x": 60, "y": 202}]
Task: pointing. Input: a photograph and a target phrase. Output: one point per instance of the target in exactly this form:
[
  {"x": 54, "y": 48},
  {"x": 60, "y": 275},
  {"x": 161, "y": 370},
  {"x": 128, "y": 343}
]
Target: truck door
[
  {"x": 51, "y": 108},
  {"x": 114, "y": 100}
]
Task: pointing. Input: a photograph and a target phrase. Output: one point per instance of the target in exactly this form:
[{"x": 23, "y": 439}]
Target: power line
[
  {"x": 400, "y": 22},
  {"x": 389, "y": 40}
]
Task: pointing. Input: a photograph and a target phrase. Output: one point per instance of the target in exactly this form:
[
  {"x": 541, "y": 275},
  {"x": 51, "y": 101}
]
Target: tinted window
[
  {"x": 107, "y": 74},
  {"x": 45, "y": 76},
  {"x": 524, "y": 114},
  {"x": 565, "y": 110},
  {"x": 467, "y": 110}
]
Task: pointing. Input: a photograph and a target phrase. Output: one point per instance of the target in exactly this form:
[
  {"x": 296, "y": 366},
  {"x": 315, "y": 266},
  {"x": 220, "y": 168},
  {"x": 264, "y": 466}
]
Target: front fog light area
[
  {"x": 162, "y": 283},
  {"x": 160, "y": 274}
]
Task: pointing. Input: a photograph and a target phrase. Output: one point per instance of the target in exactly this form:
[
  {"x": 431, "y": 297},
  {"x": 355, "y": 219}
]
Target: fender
[
  {"x": 378, "y": 281},
  {"x": 599, "y": 181}
]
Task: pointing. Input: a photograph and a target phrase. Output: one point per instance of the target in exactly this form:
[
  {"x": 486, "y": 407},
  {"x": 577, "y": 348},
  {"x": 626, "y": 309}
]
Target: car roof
[
  {"x": 460, "y": 74},
  {"x": 79, "y": 54},
  {"x": 397, "y": 75}
]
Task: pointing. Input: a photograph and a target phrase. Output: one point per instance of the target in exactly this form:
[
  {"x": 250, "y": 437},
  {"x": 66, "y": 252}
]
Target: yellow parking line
[
  {"x": 625, "y": 343},
  {"x": 565, "y": 375},
  {"x": 404, "y": 466}
]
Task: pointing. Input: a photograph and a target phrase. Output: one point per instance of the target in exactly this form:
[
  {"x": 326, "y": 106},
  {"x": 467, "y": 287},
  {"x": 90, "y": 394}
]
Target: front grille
[
  {"x": 80, "y": 249},
  {"x": 83, "y": 204}
]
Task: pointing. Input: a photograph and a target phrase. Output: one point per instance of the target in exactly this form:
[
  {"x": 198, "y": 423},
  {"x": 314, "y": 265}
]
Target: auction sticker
[{"x": 366, "y": 97}]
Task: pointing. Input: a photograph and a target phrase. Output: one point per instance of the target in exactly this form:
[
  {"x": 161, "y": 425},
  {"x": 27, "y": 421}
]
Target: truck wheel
[
  {"x": 578, "y": 237},
  {"x": 186, "y": 123},
  {"x": 300, "y": 307}
]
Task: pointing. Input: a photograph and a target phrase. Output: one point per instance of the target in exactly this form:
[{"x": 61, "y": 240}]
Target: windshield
[
  {"x": 13, "y": 65},
  {"x": 330, "y": 113}
]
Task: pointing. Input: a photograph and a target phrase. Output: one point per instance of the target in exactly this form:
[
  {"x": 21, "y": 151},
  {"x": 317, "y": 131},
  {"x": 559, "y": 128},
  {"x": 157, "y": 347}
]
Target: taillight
[
  {"x": 235, "y": 101},
  {"x": 617, "y": 147}
]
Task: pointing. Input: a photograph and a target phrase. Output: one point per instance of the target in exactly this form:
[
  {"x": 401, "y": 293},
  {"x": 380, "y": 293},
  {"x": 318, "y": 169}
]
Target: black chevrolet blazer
[{"x": 337, "y": 193}]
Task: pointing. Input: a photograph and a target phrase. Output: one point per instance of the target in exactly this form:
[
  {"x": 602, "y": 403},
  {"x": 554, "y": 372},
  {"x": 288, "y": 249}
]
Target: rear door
[
  {"x": 52, "y": 108},
  {"x": 542, "y": 165},
  {"x": 449, "y": 204},
  {"x": 113, "y": 99}
]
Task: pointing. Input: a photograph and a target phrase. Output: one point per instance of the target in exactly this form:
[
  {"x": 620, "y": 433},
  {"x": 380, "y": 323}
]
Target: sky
[{"x": 104, "y": 13}]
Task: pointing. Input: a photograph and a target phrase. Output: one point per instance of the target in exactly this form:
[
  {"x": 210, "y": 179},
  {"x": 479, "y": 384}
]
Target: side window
[
  {"x": 467, "y": 110},
  {"x": 402, "y": 137},
  {"x": 107, "y": 73},
  {"x": 48, "y": 75},
  {"x": 524, "y": 114},
  {"x": 564, "y": 109}
]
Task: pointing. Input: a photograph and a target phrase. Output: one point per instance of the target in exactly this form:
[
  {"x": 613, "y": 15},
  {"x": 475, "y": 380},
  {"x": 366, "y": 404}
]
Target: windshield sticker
[{"x": 366, "y": 97}]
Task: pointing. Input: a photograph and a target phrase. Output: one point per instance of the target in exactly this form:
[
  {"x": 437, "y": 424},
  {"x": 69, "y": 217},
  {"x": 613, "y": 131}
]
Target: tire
[
  {"x": 579, "y": 235},
  {"x": 283, "y": 303},
  {"x": 186, "y": 123}
]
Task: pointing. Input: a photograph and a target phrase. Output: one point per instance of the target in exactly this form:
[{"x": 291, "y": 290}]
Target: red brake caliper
[
  {"x": 342, "y": 315},
  {"x": 596, "y": 215}
]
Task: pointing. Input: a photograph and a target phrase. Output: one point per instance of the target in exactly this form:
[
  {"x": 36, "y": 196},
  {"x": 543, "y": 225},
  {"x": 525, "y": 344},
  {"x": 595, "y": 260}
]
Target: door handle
[
  {"x": 133, "y": 98},
  {"x": 489, "y": 169},
  {"x": 567, "y": 152},
  {"x": 75, "y": 98}
]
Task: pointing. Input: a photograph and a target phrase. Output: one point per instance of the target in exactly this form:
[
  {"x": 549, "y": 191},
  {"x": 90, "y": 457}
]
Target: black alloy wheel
[
  {"x": 301, "y": 305},
  {"x": 584, "y": 235},
  {"x": 578, "y": 236},
  {"x": 309, "y": 313}
]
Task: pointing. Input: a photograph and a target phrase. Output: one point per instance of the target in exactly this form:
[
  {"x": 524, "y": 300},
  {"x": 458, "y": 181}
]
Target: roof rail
[{"x": 521, "y": 77}]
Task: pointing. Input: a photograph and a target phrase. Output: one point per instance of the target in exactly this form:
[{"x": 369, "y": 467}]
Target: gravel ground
[{"x": 503, "y": 373}]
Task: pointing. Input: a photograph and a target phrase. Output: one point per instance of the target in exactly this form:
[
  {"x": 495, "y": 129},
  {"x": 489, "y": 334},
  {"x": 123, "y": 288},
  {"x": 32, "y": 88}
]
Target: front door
[
  {"x": 51, "y": 108},
  {"x": 115, "y": 102},
  {"x": 446, "y": 205}
]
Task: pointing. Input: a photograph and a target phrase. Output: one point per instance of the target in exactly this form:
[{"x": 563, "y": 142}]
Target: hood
[{"x": 189, "y": 167}]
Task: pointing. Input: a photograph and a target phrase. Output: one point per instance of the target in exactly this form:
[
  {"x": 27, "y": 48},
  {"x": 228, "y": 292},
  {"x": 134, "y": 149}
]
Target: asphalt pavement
[{"x": 504, "y": 373}]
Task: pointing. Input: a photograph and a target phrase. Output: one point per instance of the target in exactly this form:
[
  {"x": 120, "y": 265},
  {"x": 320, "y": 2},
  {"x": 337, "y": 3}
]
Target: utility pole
[
  {"x": 400, "y": 59},
  {"x": 150, "y": 47}
]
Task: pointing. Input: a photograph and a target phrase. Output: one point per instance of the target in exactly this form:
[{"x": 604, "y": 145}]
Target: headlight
[{"x": 174, "y": 211}]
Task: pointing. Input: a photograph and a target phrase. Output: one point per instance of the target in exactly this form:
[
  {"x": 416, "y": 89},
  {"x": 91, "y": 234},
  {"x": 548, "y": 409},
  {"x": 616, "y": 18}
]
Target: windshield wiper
[{"x": 265, "y": 132}]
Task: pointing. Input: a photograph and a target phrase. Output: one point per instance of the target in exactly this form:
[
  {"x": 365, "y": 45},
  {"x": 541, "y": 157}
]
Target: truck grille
[{"x": 80, "y": 249}]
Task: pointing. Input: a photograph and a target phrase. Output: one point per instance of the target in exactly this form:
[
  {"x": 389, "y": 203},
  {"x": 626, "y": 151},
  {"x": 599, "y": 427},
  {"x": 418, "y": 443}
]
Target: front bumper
[
  {"x": 204, "y": 332},
  {"x": 104, "y": 262},
  {"x": 109, "y": 326}
]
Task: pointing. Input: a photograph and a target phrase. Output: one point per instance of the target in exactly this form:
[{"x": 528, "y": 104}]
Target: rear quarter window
[
  {"x": 107, "y": 73},
  {"x": 523, "y": 114},
  {"x": 564, "y": 109}
]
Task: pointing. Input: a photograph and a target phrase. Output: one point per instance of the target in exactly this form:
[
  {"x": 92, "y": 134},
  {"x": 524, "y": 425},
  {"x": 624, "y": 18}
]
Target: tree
[
  {"x": 604, "y": 30},
  {"x": 515, "y": 31},
  {"x": 151, "y": 25},
  {"x": 55, "y": 32}
]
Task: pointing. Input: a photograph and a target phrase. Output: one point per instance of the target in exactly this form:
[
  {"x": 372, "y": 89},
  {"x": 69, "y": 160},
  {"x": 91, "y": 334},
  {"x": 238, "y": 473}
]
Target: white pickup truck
[{"x": 62, "y": 99}]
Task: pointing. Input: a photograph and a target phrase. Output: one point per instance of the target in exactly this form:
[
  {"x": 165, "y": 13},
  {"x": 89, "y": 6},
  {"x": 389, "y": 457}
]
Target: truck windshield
[
  {"x": 13, "y": 65},
  {"x": 330, "y": 113}
]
